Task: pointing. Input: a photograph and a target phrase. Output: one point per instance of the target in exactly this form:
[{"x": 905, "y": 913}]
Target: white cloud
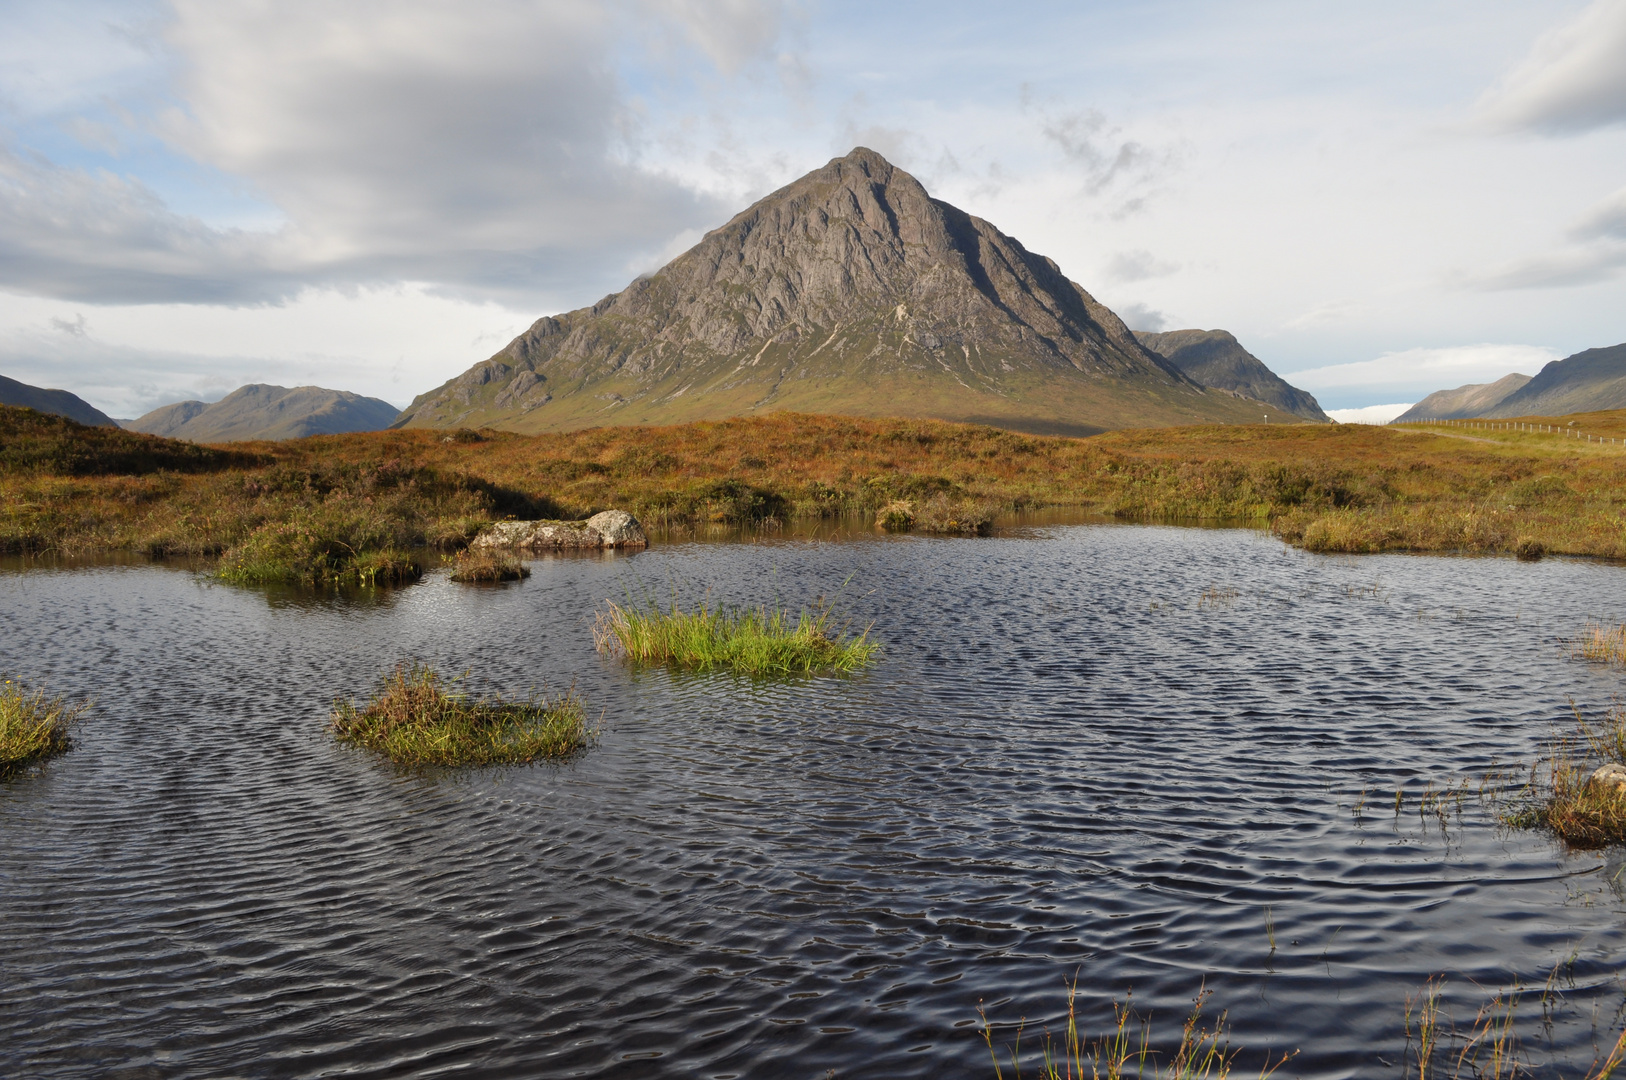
[
  {"x": 1426, "y": 370},
  {"x": 1371, "y": 414},
  {"x": 393, "y": 342},
  {"x": 397, "y": 139},
  {"x": 1573, "y": 79}
]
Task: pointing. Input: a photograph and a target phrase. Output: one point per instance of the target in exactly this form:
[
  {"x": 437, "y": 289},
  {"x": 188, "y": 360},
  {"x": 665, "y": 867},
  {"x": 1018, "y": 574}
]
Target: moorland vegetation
[
  {"x": 417, "y": 717},
  {"x": 354, "y": 507}
]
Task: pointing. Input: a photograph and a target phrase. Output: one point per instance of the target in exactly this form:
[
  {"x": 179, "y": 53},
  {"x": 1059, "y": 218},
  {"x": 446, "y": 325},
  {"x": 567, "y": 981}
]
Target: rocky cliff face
[
  {"x": 261, "y": 411},
  {"x": 1215, "y": 358},
  {"x": 852, "y": 291},
  {"x": 1471, "y": 400}
]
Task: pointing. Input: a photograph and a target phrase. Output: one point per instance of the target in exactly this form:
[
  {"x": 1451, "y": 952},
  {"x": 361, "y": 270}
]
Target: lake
[{"x": 1115, "y": 752}]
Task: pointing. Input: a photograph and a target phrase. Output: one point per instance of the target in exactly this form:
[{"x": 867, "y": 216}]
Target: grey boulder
[{"x": 609, "y": 529}]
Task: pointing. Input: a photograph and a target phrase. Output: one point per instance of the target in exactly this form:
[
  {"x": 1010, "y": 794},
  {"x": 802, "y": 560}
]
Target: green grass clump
[
  {"x": 414, "y": 718},
  {"x": 751, "y": 641},
  {"x": 32, "y": 726},
  {"x": 480, "y": 567},
  {"x": 324, "y": 547}
]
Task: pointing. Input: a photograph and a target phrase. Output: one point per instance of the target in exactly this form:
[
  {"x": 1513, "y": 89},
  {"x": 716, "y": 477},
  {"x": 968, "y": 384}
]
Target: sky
[{"x": 1378, "y": 199}]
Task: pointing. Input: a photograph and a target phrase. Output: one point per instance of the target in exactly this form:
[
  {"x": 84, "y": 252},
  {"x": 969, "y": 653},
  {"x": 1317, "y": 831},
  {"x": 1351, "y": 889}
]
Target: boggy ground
[{"x": 320, "y": 503}]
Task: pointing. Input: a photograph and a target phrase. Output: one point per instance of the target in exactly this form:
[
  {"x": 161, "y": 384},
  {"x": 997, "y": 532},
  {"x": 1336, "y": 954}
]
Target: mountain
[
  {"x": 258, "y": 411},
  {"x": 849, "y": 291},
  {"x": 167, "y": 420},
  {"x": 1465, "y": 401},
  {"x": 1215, "y": 358},
  {"x": 58, "y": 402},
  {"x": 1589, "y": 381}
]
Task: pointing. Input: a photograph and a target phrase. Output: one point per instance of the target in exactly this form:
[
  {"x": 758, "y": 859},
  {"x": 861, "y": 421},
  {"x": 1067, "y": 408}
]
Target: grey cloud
[
  {"x": 1597, "y": 253},
  {"x": 1088, "y": 140},
  {"x": 1138, "y": 265},
  {"x": 1574, "y": 78},
  {"x": 1141, "y": 317},
  {"x": 491, "y": 155},
  {"x": 1606, "y": 221}
]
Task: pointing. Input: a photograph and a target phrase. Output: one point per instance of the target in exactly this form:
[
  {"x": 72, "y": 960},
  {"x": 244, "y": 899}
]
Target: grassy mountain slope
[
  {"x": 55, "y": 402},
  {"x": 259, "y": 411},
  {"x": 1474, "y": 399}
]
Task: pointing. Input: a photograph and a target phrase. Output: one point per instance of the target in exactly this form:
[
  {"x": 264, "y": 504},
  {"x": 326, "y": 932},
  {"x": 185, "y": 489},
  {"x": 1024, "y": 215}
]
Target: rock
[
  {"x": 609, "y": 529},
  {"x": 1611, "y": 778},
  {"x": 618, "y": 528}
]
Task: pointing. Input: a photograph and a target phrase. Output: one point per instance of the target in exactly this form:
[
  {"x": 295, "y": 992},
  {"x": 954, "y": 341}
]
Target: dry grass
[
  {"x": 1348, "y": 488},
  {"x": 751, "y": 641},
  {"x": 486, "y": 567},
  {"x": 32, "y": 726},
  {"x": 1601, "y": 644},
  {"x": 1560, "y": 797},
  {"x": 415, "y": 718}
]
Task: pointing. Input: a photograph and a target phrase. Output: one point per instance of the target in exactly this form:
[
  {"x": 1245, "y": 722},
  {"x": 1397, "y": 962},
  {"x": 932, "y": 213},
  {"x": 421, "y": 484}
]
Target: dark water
[{"x": 1067, "y": 761}]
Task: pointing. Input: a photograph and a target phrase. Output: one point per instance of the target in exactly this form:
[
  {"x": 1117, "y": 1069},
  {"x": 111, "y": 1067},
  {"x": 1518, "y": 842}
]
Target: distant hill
[
  {"x": 167, "y": 420},
  {"x": 259, "y": 411},
  {"x": 1589, "y": 381},
  {"x": 56, "y": 402},
  {"x": 850, "y": 291},
  {"x": 1215, "y": 358},
  {"x": 1465, "y": 402}
]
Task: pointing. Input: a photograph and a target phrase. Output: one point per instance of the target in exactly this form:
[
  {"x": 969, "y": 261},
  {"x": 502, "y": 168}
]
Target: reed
[
  {"x": 1203, "y": 1052},
  {"x": 484, "y": 567},
  {"x": 1601, "y": 644},
  {"x": 750, "y": 641},
  {"x": 33, "y": 726},
  {"x": 416, "y": 718}
]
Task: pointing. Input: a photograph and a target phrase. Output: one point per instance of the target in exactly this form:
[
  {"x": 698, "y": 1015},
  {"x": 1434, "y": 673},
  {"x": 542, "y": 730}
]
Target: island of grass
[
  {"x": 33, "y": 727},
  {"x": 416, "y": 718},
  {"x": 487, "y": 567},
  {"x": 750, "y": 641}
]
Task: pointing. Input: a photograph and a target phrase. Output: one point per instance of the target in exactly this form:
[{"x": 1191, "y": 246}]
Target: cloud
[
  {"x": 398, "y": 140},
  {"x": 1597, "y": 252},
  {"x": 1606, "y": 221},
  {"x": 1141, "y": 317},
  {"x": 1574, "y": 78},
  {"x": 1370, "y": 414},
  {"x": 1138, "y": 265},
  {"x": 1425, "y": 370}
]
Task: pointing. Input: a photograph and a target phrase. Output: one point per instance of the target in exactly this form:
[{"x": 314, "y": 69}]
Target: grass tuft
[
  {"x": 415, "y": 718},
  {"x": 1561, "y": 796},
  {"x": 1601, "y": 644},
  {"x": 482, "y": 567},
  {"x": 751, "y": 641},
  {"x": 32, "y": 726}
]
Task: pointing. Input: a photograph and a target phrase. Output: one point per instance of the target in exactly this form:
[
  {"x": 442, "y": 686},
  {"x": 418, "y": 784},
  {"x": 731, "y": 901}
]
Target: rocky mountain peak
[{"x": 850, "y": 289}]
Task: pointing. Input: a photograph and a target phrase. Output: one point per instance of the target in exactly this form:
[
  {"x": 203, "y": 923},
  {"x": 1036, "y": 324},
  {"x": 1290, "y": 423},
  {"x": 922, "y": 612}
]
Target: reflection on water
[{"x": 1097, "y": 749}]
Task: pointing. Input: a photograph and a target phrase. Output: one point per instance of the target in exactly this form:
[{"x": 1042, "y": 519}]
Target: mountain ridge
[
  {"x": 57, "y": 402},
  {"x": 1464, "y": 402},
  {"x": 1216, "y": 359},
  {"x": 1592, "y": 380},
  {"x": 264, "y": 411},
  {"x": 850, "y": 290}
]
